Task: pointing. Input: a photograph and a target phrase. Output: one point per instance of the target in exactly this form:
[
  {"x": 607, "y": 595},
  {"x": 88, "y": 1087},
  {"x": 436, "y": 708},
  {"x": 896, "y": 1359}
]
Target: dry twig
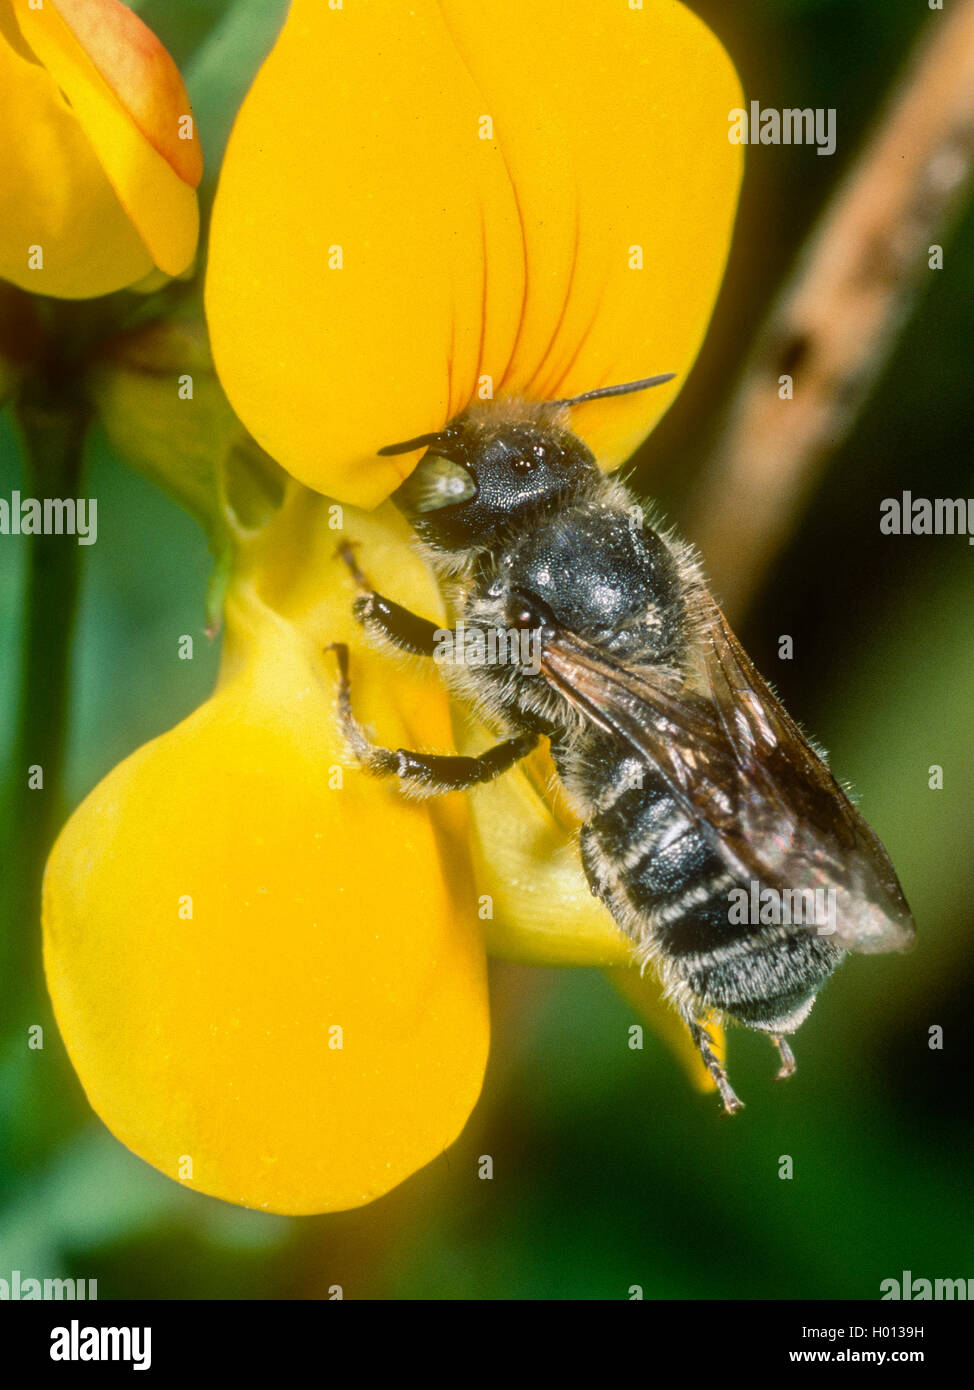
[{"x": 834, "y": 324}]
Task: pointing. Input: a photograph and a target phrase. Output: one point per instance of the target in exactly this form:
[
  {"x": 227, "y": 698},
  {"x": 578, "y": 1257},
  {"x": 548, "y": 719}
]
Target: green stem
[{"x": 53, "y": 433}]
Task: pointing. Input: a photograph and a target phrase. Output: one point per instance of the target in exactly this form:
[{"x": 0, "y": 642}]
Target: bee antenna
[
  {"x": 422, "y": 441},
  {"x": 408, "y": 445},
  {"x": 624, "y": 390}
]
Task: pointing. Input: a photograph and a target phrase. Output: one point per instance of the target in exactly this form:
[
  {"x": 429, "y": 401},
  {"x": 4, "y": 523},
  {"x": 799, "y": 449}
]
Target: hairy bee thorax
[{"x": 509, "y": 501}]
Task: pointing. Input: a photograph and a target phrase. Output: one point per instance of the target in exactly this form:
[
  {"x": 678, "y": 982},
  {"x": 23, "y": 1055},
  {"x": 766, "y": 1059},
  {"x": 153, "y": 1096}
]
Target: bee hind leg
[
  {"x": 787, "y": 1057},
  {"x": 704, "y": 1044}
]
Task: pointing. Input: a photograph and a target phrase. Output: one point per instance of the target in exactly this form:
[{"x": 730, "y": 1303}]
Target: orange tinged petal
[
  {"x": 131, "y": 61},
  {"x": 417, "y": 198},
  {"x": 130, "y": 101},
  {"x": 87, "y": 244}
]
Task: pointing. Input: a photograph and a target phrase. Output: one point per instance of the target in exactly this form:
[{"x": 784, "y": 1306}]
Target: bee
[{"x": 696, "y": 792}]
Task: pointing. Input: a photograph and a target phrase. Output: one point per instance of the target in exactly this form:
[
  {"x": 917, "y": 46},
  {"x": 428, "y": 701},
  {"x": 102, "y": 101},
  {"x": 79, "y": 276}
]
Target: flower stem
[{"x": 53, "y": 431}]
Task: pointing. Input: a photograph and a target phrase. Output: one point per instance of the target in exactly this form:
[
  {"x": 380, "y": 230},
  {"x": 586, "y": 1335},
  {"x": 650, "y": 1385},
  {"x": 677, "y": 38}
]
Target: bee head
[
  {"x": 487, "y": 470},
  {"x": 494, "y": 465}
]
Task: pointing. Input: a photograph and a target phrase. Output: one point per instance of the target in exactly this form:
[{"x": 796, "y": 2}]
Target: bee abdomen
[
  {"x": 643, "y": 857},
  {"x": 670, "y": 890}
]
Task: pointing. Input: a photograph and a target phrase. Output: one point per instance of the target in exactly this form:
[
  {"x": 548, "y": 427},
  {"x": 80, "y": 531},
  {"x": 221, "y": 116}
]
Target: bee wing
[{"x": 738, "y": 765}]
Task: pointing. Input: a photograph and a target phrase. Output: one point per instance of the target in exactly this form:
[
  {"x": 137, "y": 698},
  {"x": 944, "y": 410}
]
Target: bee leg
[
  {"x": 425, "y": 774},
  {"x": 787, "y": 1057},
  {"x": 383, "y": 618},
  {"x": 704, "y": 1042}
]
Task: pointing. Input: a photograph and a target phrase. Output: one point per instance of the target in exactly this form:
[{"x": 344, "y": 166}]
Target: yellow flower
[
  {"x": 102, "y": 157},
  {"x": 419, "y": 203},
  {"x": 266, "y": 967},
  {"x": 416, "y": 198}
]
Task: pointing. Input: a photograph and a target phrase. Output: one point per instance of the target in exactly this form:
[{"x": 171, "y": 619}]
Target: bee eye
[
  {"x": 436, "y": 483},
  {"x": 529, "y": 613}
]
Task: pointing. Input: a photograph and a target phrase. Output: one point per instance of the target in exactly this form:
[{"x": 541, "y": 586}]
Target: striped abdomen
[{"x": 668, "y": 888}]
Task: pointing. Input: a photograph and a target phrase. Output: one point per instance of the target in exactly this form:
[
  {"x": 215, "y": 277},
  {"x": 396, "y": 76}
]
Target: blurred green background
[{"x": 609, "y": 1171}]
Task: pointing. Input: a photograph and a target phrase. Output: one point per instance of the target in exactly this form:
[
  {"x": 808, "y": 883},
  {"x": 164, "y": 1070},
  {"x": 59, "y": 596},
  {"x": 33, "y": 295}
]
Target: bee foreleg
[
  {"x": 786, "y": 1055},
  {"x": 383, "y": 618},
  {"x": 424, "y": 774},
  {"x": 704, "y": 1042}
]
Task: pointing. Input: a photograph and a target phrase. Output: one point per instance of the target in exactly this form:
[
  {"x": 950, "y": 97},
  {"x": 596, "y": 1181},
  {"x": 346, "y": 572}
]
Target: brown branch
[{"x": 834, "y": 324}]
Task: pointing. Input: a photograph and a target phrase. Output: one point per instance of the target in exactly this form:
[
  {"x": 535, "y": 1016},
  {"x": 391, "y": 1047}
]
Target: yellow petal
[
  {"x": 208, "y": 1044},
  {"x": 130, "y": 101},
  {"x": 526, "y": 859},
  {"x": 63, "y": 231},
  {"x": 491, "y": 188}
]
